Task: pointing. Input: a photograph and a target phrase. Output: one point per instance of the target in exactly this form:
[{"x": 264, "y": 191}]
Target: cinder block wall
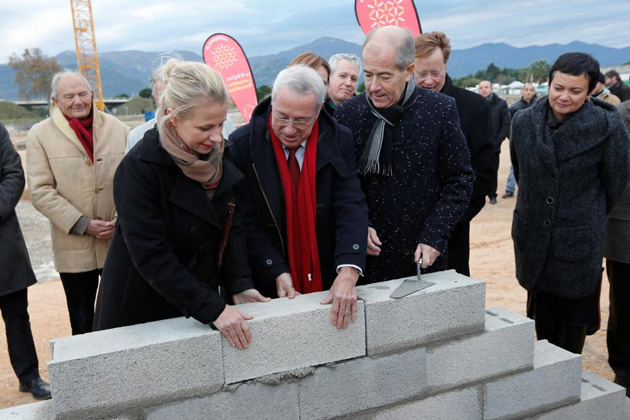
[{"x": 435, "y": 354}]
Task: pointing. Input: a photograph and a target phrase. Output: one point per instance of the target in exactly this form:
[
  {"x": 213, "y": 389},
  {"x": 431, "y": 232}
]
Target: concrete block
[
  {"x": 291, "y": 334},
  {"x": 506, "y": 345},
  {"x": 361, "y": 384},
  {"x": 554, "y": 381},
  {"x": 249, "y": 401},
  {"x": 453, "y": 306},
  {"x": 600, "y": 399},
  {"x": 462, "y": 404},
  {"x": 36, "y": 411},
  {"x": 136, "y": 366}
]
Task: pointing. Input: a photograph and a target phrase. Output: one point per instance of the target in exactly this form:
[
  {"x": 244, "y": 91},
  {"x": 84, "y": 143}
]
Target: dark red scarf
[
  {"x": 83, "y": 129},
  {"x": 301, "y": 212}
]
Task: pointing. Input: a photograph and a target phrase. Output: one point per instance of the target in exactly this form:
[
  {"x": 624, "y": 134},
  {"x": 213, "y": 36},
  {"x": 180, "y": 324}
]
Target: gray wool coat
[
  {"x": 16, "y": 272},
  {"x": 568, "y": 181},
  {"x": 617, "y": 242}
]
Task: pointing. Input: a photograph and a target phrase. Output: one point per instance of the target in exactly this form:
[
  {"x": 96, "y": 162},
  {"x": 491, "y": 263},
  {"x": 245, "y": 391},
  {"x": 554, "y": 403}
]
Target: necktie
[{"x": 294, "y": 166}]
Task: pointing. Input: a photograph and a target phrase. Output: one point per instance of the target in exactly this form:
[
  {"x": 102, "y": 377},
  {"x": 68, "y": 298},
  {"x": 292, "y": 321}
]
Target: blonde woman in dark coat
[{"x": 571, "y": 158}]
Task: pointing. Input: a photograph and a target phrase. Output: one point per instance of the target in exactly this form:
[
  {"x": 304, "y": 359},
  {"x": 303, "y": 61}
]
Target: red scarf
[
  {"x": 83, "y": 129},
  {"x": 301, "y": 211}
]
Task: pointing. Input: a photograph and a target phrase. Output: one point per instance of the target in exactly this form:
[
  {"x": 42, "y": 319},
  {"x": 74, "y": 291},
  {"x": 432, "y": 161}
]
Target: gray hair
[
  {"x": 157, "y": 73},
  {"x": 335, "y": 59},
  {"x": 58, "y": 76},
  {"x": 302, "y": 80},
  {"x": 402, "y": 38}
]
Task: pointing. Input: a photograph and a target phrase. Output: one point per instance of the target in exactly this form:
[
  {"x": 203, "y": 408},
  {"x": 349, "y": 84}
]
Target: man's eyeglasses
[
  {"x": 295, "y": 123},
  {"x": 423, "y": 75}
]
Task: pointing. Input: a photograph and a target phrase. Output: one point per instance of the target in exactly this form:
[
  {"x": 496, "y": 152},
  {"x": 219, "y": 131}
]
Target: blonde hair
[
  {"x": 427, "y": 43},
  {"x": 187, "y": 84}
]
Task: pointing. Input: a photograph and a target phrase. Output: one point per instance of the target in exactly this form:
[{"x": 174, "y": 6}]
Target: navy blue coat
[
  {"x": 342, "y": 221},
  {"x": 431, "y": 185}
]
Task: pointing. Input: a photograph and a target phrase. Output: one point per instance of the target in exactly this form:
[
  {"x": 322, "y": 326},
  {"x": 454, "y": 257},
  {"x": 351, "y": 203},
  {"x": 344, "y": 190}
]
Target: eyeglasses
[
  {"x": 295, "y": 123},
  {"x": 423, "y": 75}
]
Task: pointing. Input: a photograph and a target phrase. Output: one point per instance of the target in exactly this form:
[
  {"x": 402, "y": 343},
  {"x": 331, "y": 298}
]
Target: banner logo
[{"x": 373, "y": 14}]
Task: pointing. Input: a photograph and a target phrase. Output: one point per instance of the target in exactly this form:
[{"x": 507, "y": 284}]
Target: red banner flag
[
  {"x": 224, "y": 54},
  {"x": 375, "y": 13}
]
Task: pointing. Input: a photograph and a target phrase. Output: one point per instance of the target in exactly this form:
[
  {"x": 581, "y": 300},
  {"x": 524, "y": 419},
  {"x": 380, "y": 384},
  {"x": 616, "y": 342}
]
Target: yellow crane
[{"x": 85, "y": 40}]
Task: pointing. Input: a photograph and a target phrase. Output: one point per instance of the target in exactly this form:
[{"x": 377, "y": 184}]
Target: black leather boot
[{"x": 37, "y": 387}]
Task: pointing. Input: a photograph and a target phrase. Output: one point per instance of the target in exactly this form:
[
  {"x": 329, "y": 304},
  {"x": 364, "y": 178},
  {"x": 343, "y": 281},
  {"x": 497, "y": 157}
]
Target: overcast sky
[{"x": 271, "y": 26}]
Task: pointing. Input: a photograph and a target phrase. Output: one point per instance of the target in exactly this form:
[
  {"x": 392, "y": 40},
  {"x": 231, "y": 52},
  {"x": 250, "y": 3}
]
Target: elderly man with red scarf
[
  {"x": 301, "y": 200},
  {"x": 71, "y": 160}
]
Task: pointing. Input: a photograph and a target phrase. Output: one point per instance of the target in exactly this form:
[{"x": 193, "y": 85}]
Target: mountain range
[{"x": 129, "y": 71}]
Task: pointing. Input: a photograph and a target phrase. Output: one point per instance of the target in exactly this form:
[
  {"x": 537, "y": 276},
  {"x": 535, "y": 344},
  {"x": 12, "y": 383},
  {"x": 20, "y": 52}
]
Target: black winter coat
[
  {"x": 342, "y": 220},
  {"x": 16, "y": 273},
  {"x": 431, "y": 183},
  {"x": 520, "y": 104},
  {"x": 163, "y": 259},
  {"x": 500, "y": 120},
  {"x": 568, "y": 181},
  {"x": 621, "y": 90},
  {"x": 475, "y": 121}
]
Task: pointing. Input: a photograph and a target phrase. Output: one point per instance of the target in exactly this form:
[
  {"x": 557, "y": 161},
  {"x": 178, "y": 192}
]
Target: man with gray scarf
[{"x": 412, "y": 156}]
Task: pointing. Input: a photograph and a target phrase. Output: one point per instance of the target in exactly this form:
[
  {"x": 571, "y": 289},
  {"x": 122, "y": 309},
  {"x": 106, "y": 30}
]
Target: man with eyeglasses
[
  {"x": 432, "y": 53},
  {"x": 301, "y": 200},
  {"x": 414, "y": 163}
]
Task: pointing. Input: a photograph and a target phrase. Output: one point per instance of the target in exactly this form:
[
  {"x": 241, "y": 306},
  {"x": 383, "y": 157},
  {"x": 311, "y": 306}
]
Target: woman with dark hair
[{"x": 571, "y": 159}]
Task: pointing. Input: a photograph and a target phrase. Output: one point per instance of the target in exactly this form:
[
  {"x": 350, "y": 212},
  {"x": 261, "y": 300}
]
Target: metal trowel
[{"x": 410, "y": 286}]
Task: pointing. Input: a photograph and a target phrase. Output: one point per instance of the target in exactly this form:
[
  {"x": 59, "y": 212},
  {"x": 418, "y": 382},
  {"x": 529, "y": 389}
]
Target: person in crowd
[
  {"x": 616, "y": 246},
  {"x": 322, "y": 68},
  {"x": 501, "y": 126},
  {"x": 177, "y": 236},
  {"x": 345, "y": 70},
  {"x": 432, "y": 53},
  {"x": 602, "y": 92},
  {"x": 71, "y": 160},
  {"x": 528, "y": 98},
  {"x": 617, "y": 87},
  {"x": 157, "y": 87},
  {"x": 414, "y": 163},
  {"x": 16, "y": 275},
  {"x": 571, "y": 158},
  {"x": 304, "y": 211}
]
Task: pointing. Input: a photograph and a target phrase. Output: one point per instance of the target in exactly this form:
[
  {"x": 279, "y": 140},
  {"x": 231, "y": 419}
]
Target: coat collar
[{"x": 62, "y": 124}]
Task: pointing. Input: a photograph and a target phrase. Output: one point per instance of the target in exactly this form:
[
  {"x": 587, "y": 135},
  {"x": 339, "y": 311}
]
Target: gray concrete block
[
  {"x": 461, "y": 404},
  {"x": 291, "y": 334},
  {"x": 36, "y": 411},
  {"x": 136, "y": 366},
  {"x": 554, "y": 381},
  {"x": 362, "y": 384},
  {"x": 600, "y": 399},
  {"x": 453, "y": 306},
  {"x": 249, "y": 401},
  {"x": 506, "y": 345}
]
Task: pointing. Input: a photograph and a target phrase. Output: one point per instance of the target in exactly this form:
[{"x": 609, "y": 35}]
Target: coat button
[
  {"x": 374, "y": 181},
  {"x": 194, "y": 230},
  {"x": 406, "y": 252},
  {"x": 406, "y": 218},
  {"x": 88, "y": 162},
  {"x": 356, "y": 247},
  {"x": 549, "y": 200},
  {"x": 269, "y": 261},
  {"x": 359, "y": 141},
  {"x": 553, "y": 176},
  {"x": 547, "y": 223}
]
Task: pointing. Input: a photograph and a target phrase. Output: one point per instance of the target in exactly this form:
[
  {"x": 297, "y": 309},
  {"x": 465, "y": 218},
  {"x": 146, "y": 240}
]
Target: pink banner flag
[
  {"x": 224, "y": 54},
  {"x": 375, "y": 13}
]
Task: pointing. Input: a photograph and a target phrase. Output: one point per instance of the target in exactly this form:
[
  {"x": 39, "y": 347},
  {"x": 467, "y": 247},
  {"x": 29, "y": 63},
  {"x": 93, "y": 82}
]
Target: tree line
[{"x": 537, "y": 72}]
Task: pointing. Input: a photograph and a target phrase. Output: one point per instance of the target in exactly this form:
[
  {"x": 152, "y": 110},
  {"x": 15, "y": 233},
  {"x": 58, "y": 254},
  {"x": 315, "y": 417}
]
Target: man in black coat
[
  {"x": 16, "y": 274},
  {"x": 414, "y": 162},
  {"x": 432, "y": 53},
  {"x": 616, "y": 85},
  {"x": 301, "y": 199},
  {"x": 501, "y": 126}
]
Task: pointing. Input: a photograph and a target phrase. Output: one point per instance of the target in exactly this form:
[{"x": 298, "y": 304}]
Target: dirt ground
[{"x": 492, "y": 261}]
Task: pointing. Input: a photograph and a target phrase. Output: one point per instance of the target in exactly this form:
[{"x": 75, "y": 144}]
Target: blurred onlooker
[
  {"x": 527, "y": 99},
  {"x": 345, "y": 70},
  {"x": 320, "y": 65},
  {"x": 72, "y": 157},
  {"x": 616, "y": 246},
  {"x": 501, "y": 127},
  {"x": 432, "y": 53},
  {"x": 601, "y": 92},
  {"x": 16, "y": 274},
  {"x": 616, "y": 85}
]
